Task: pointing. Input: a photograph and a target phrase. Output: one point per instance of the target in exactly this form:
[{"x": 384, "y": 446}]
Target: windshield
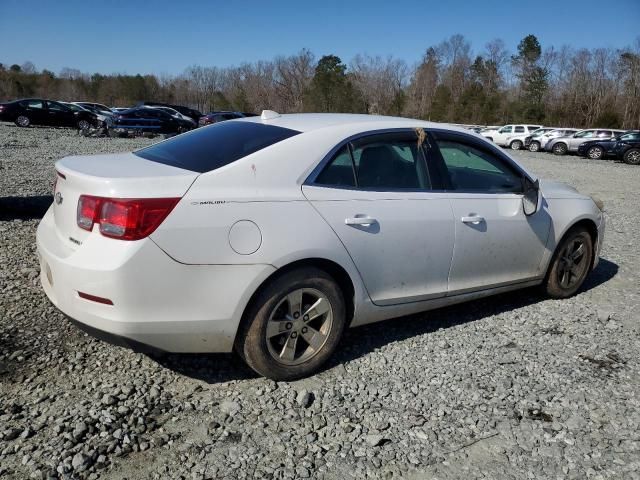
[{"x": 209, "y": 148}]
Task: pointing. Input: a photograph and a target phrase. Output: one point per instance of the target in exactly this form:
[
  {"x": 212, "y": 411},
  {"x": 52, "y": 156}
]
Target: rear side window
[
  {"x": 520, "y": 129},
  {"x": 209, "y": 148}
]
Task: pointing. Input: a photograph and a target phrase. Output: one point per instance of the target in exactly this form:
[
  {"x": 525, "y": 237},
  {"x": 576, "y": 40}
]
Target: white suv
[{"x": 503, "y": 136}]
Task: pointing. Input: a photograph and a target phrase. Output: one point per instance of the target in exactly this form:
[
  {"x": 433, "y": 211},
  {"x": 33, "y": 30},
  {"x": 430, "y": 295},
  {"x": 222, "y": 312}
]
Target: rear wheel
[
  {"x": 534, "y": 146},
  {"x": 632, "y": 156},
  {"x": 23, "y": 121},
  {"x": 293, "y": 325},
  {"x": 595, "y": 153},
  {"x": 516, "y": 145},
  {"x": 570, "y": 264},
  {"x": 560, "y": 148}
]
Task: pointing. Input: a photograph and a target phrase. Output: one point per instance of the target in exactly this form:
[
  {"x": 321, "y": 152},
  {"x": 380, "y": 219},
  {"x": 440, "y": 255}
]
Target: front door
[
  {"x": 59, "y": 115},
  {"x": 375, "y": 194},
  {"x": 495, "y": 242}
]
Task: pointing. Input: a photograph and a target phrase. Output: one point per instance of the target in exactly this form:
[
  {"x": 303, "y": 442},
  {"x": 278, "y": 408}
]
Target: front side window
[
  {"x": 477, "y": 171},
  {"x": 585, "y": 134},
  {"x": 506, "y": 129},
  {"x": 206, "y": 149}
]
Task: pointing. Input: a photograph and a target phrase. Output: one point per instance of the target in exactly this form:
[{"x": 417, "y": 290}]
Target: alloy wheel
[
  {"x": 573, "y": 264},
  {"x": 299, "y": 326},
  {"x": 23, "y": 121},
  {"x": 559, "y": 149},
  {"x": 84, "y": 125},
  {"x": 534, "y": 147},
  {"x": 515, "y": 145},
  {"x": 633, "y": 157},
  {"x": 595, "y": 153}
]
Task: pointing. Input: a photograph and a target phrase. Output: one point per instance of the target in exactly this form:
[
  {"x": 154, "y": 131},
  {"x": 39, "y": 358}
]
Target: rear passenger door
[
  {"x": 495, "y": 242},
  {"x": 375, "y": 194},
  {"x": 35, "y": 110}
]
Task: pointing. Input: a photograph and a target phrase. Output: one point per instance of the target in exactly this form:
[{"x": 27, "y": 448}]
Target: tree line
[{"x": 563, "y": 86}]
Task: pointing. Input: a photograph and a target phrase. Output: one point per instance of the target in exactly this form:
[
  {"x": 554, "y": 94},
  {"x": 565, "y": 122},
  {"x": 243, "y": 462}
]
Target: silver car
[
  {"x": 539, "y": 139},
  {"x": 563, "y": 145}
]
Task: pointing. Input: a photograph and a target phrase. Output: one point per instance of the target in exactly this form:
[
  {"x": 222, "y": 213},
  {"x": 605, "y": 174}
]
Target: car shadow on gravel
[
  {"x": 360, "y": 341},
  {"x": 24, "y": 208}
]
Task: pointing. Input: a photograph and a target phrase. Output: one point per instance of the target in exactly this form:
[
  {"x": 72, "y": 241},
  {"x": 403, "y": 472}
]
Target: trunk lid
[{"x": 123, "y": 175}]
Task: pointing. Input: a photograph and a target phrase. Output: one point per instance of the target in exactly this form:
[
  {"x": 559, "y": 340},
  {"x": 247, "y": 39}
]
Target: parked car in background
[
  {"x": 95, "y": 107},
  {"x": 38, "y": 111},
  {"x": 192, "y": 113},
  {"x": 540, "y": 141},
  {"x": 628, "y": 148},
  {"x": 147, "y": 119},
  {"x": 176, "y": 114},
  {"x": 569, "y": 144},
  {"x": 502, "y": 135},
  {"x": 263, "y": 236},
  {"x": 516, "y": 142},
  {"x": 221, "y": 116},
  {"x": 120, "y": 109},
  {"x": 603, "y": 148},
  {"x": 103, "y": 118}
]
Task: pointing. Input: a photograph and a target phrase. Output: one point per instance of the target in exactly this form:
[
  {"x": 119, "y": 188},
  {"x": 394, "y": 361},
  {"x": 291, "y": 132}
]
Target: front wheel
[
  {"x": 595, "y": 153},
  {"x": 23, "y": 121},
  {"x": 632, "y": 156},
  {"x": 516, "y": 145},
  {"x": 84, "y": 125},
  {"x": 293, "y": 326},
  {"x": 560, "y": 148},
  {"x": 534, "y": 146},
  {"x": 570, "y": 264}
]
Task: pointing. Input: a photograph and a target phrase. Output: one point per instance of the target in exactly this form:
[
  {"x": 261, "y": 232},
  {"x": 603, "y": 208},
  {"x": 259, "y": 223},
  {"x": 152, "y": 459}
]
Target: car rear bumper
[{"x": 156, "y": 301}]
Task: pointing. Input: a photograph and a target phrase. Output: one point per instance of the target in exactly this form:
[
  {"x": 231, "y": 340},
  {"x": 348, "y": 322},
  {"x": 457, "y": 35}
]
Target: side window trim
[{"x": 473, "y": 142}]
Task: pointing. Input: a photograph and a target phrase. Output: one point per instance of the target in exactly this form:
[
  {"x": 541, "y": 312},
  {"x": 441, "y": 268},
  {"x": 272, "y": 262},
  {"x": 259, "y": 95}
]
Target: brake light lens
[{"x": 123, "y": 218}]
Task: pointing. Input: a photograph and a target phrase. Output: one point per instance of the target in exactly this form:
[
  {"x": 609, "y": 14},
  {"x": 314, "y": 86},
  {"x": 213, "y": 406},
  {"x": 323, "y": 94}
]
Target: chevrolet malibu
[{"x": 270, "y": 235}]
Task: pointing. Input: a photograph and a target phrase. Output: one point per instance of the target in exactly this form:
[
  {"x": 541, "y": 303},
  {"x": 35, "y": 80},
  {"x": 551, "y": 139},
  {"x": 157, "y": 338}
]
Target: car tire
[
  {"x": 595, "y": 153},
  {"x": 560, "y": 148},
  {"x": 275, "y": 337},
  {"x": 570, "y": 264},
  {"x": 22, "y": 121},
  {"x": 632, "y": 156},
  {"x": 534, "y": 146},
  {"x": 84, "y": 125},
  {"x": 515, "y": 145}
]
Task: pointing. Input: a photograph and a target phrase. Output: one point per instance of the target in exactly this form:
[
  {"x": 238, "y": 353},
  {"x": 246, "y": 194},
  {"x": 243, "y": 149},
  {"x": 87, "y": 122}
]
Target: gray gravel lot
[{"x": 515, "y": 386}]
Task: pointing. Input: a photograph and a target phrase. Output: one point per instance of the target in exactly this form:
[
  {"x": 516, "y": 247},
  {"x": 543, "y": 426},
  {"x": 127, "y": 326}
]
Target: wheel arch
[
  {"x": 332, "y": 268},
  {"x": 591, "y": 227}
]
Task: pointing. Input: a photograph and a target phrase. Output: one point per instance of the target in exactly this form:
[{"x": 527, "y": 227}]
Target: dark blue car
[{"x": 605, "y": 147}]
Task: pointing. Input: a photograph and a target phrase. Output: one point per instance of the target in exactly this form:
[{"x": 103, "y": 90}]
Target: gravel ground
[{"x": 515, "y": 386}]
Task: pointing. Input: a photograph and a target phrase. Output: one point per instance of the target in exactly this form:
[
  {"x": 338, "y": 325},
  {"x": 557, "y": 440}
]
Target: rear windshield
[{"x": 212, "y": 147}]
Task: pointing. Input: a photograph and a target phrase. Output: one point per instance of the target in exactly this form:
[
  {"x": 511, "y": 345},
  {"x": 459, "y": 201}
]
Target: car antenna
[{"x": 269, "y": 115}]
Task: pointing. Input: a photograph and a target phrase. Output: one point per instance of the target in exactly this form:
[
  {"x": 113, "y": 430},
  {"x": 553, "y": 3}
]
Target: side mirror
[{"x": 531, "y": 197}]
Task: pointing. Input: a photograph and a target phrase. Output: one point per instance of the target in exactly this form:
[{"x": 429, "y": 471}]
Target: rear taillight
[{"x": 123, "y": 218}]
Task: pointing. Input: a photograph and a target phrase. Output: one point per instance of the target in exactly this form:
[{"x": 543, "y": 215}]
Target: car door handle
[
  {"x": 364, "y": 221},
  {"x": 475, "y": 219}
]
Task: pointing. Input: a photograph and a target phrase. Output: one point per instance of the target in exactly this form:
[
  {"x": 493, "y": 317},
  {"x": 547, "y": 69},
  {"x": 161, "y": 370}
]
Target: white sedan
[{"x": 273, "y": 234}]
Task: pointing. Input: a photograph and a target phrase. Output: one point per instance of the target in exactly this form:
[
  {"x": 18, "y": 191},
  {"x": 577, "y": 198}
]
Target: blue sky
[{"x": 167, "y": 36}]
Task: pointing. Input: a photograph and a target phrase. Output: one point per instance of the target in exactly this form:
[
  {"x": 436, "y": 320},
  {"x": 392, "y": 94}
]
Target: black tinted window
[
  {"x": 212, "y": 147},
  {"x": 339, "y": 172},
  {"x": 389, "y": 162},
  {"x": 519, "y": 129},
  {"x": 473, "y": 170}
]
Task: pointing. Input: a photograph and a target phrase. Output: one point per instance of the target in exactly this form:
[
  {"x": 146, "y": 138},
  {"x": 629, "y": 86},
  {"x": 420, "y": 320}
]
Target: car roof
[{"x": 307, "y": 122}]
